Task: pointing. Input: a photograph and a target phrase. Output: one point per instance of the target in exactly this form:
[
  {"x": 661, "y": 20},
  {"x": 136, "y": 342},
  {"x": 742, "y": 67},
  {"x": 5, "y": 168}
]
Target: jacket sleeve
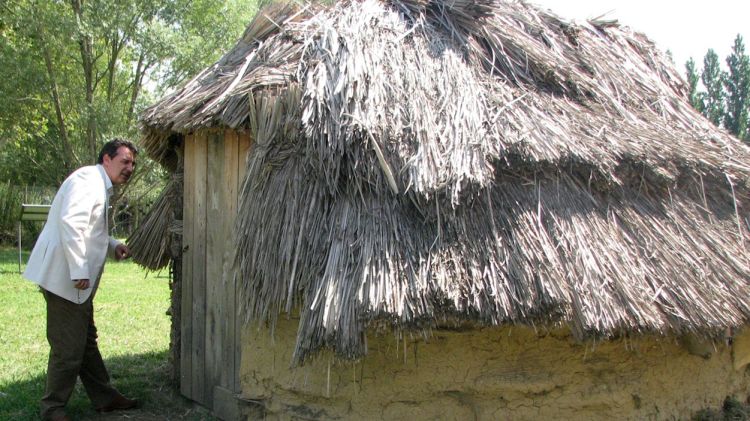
[
  {"x": 113, "y": 243},
  {"x": 75, "y": 215}
]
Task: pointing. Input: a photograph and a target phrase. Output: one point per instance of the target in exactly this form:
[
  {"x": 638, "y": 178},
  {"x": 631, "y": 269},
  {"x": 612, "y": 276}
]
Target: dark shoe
[{"x": 119, "y": 403}]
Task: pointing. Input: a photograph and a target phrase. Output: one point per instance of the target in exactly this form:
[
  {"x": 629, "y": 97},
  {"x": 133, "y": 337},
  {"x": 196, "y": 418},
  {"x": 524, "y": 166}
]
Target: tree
[
  {"x": 692, "y": 78},
  {"x": 712, "y": 102},
  {"x": 75, "y": 73},
  {"x": 32, "y": 105},
  {"x": 737, "y": 85}
]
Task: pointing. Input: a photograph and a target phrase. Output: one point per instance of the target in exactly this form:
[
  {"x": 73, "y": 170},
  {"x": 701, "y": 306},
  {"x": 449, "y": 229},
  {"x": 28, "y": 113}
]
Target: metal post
[{"x": 19, "y": 247}]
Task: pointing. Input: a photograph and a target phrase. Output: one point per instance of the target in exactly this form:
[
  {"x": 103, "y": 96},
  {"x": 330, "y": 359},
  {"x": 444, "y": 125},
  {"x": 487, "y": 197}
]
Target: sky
[{"x": 686, "y": 28}]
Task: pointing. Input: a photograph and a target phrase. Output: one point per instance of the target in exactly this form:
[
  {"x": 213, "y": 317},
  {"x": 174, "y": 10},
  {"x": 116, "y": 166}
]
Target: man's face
[{"x": 121, "y": 167}]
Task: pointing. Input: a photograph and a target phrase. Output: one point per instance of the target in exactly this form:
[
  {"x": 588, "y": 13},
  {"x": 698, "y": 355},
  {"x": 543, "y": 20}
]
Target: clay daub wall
[{"x": 510, "y": 373}]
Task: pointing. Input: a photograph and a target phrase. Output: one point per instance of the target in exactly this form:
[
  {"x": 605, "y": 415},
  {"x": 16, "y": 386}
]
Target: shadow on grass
[{"x": 143, "y": 376}]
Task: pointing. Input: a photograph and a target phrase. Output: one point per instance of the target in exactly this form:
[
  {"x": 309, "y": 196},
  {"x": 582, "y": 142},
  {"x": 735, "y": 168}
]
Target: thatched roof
[{"x": 416, "y": 161}]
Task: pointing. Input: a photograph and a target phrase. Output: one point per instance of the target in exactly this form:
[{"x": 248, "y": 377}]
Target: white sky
[{"x": 686, "y": 28}]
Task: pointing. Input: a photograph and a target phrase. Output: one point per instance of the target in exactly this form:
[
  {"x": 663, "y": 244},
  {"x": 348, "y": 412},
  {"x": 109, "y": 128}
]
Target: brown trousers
[{"x": 74, "y": 353}]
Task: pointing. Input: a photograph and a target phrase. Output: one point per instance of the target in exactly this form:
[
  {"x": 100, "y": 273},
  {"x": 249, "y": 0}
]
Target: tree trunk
[
  {"x": 68, "y": 157},
  {"x": 111, "y": 66},
  {"x": 140, "y": 70},
  {"x": 87, "y": 62}
]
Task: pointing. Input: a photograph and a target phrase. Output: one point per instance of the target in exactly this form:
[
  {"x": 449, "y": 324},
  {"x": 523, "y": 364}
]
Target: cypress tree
[
  {"x": 692, "y": 77},
  {"x": 737, "y": 85},
  {"x": 712, "y": 78}
]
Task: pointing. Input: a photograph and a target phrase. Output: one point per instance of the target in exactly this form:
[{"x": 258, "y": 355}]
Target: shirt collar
[{"x": 107, "y": 181}]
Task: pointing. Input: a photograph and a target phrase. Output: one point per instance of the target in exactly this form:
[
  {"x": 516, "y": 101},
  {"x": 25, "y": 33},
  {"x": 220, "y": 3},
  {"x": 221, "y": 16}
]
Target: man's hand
[
  {"x": 122, "y": 252},
  {"x": 81, "y": 283}
]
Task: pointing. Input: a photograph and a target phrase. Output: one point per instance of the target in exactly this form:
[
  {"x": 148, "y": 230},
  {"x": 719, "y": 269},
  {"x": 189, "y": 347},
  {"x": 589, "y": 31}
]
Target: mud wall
[{"x": 510, "y": 373}]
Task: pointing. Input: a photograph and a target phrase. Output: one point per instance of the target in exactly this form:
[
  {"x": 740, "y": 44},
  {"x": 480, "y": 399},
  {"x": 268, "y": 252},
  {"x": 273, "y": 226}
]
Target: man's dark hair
[{"x": 110, "y": 148}]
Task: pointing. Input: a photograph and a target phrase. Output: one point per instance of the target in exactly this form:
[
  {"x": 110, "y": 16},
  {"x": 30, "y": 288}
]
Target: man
[{"x": 67, "y": 262}]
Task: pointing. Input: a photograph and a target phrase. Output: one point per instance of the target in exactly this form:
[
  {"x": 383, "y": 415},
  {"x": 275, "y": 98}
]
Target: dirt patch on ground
[{"x": 160, "y": 405}]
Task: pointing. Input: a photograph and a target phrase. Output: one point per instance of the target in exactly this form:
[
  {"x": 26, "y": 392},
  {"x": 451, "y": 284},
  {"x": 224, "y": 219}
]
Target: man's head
[{"x": 118, "y": 159}]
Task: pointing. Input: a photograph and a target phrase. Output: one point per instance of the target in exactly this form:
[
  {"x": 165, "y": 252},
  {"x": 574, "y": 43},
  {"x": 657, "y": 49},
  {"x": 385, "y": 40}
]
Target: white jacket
[{"x": 74, "y": 241}]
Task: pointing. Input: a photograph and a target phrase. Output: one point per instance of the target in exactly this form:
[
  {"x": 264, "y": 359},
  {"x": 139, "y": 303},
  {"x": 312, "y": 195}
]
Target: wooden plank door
[{"x": 214, "y": 168}]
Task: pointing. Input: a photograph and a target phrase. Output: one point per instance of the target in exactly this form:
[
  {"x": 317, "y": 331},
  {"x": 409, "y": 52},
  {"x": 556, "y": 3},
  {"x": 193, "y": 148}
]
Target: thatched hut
[{"x": 453, "y": 209}]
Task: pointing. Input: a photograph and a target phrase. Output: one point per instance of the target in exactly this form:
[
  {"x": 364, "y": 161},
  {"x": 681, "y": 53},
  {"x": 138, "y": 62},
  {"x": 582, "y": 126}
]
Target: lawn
[{"x": 130, "y": 310}]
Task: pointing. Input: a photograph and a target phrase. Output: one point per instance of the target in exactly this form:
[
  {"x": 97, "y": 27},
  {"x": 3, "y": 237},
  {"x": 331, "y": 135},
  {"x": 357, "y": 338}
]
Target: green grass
[{"x": 130, "y": 310}]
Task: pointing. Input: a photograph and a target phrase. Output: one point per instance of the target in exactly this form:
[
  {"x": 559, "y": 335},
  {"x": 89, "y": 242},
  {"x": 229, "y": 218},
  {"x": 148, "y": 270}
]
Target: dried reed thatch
[
  {"x": 150, "y": 243},
  {"x": 423, "y": 160}
]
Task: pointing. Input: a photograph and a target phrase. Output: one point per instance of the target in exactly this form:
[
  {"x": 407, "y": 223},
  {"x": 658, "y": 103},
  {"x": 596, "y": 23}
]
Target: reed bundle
[{"x": 150, "y": 243}]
